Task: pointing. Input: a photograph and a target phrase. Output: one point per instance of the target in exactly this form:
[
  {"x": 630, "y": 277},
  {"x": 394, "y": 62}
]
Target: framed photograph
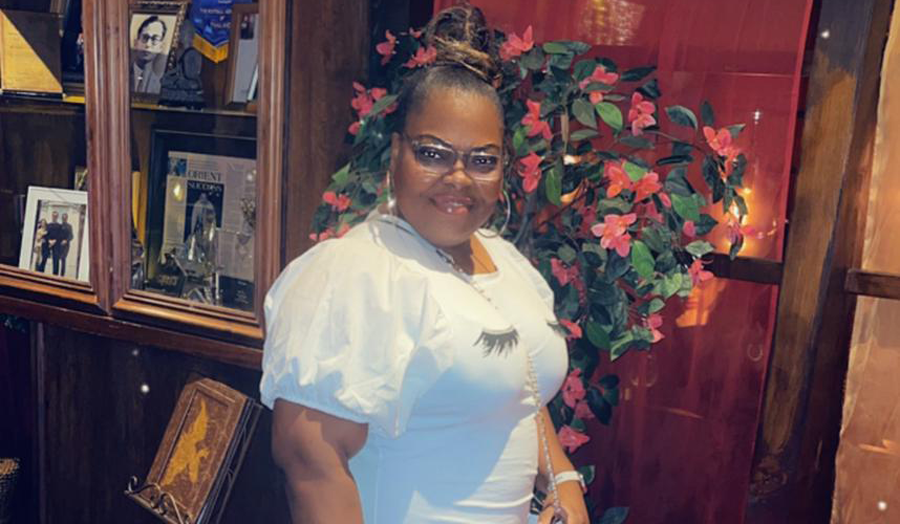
[
  {"x": 200, "y": 454},
  {"x": 243, "y": 53},
  {"x": 153, "y": 38},
  {"x": 201, "y": 218},
  {"x": 55, "y": 233}
]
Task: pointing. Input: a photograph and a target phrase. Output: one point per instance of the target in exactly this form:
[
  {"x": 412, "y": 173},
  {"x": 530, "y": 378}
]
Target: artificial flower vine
[{"x": 603, "y": 201}]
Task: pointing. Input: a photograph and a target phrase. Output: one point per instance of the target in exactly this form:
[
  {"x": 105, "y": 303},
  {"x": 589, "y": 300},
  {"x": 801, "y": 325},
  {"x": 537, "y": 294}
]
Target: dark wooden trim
[
  {"x": 271, "y": 125},
  {"x": 200, "y": 346},
  {"x": 871, "y": 284},
  {"x": 759, "y": 270},
  {"x": 793, "y": 467}
]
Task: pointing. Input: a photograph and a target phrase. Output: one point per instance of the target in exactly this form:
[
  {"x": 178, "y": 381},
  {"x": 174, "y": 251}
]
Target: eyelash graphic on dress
[
  {"x": 558, "y": 328},
  {"x": 499, "y": 342}
]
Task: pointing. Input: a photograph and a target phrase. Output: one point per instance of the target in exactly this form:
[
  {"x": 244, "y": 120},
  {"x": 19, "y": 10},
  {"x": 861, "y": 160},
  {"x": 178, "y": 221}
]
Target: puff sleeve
[{"x": 354, "y": 333}]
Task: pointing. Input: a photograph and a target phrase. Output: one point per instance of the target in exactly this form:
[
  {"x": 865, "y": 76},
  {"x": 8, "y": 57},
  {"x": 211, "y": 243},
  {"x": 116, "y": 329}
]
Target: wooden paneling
[
  {"x": 321, "y": 70},
  {"x": 793, "y": 465}
]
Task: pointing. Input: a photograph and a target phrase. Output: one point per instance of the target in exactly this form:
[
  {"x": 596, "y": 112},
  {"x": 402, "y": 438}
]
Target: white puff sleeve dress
[{"x": 376, "y": 328}]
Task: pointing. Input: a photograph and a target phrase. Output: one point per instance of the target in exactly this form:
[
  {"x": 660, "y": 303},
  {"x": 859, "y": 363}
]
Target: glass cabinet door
[
  {"x": 195, "y": 79},
  {"x": 44, "y": 177}
]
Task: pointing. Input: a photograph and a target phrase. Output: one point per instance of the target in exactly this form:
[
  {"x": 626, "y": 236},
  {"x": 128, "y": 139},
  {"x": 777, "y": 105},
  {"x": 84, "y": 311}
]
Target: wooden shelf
[{"x": 74, "y": 104}]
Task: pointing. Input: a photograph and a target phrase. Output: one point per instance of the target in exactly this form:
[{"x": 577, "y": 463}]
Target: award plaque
[{"x": 30, "y": 53}]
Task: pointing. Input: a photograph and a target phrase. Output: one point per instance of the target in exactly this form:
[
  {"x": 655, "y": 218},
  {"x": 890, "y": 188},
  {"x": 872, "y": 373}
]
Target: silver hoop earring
[{"x": 506, "y": 218}]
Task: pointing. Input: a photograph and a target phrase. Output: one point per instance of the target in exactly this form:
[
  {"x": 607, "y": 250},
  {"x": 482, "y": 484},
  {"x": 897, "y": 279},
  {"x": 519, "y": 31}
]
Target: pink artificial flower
[
  {"x": 530, "y": 170},
  {"x": 618, "y": 178},
  {"x": 573, "y": 388},
  {"x": 342, "y": 230},
  {"x": 573, "y": 329},
  {"x": 720, "y": 141},
  {"x": 572, "y": 439},
  {"x": 649, "y": 210},
  {"x": 689, "y": 228},
  {"x": 339, "y": 202},
  {"x": 583, "y": 410},
  {"x": 600, "y": 75},
  {"x": 653, "y": 322},
  {"x": 641, "y": 114},
  {"x": 646, "y": 186},
  {"x": 666, "y": 201},
  {"x": 354, "y": 128},
  {"x": 324, "y": 235},
  {"x": 533, "y": 121},
  {"x": 386, "y": 48},
  {"x": 362, "y": 102},
  {"x": 423, "y": 57},
  {"x": 614, "y": 232},
  {"x": 697, "y": 273},
  {"x": 514, "y": 46},
  {"x": 562, "y": 273}
]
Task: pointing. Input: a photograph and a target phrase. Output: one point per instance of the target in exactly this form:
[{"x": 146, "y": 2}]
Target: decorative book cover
[
  {"x": 199, "y": 456},
  {"x": 30, "y": 52}
]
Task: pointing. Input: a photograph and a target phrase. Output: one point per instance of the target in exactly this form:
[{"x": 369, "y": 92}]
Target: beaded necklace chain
[{"x": 559, "y": 514}]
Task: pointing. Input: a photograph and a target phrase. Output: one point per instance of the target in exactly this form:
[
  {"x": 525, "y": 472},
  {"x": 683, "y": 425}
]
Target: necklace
[{"x": 531, "y": 382}]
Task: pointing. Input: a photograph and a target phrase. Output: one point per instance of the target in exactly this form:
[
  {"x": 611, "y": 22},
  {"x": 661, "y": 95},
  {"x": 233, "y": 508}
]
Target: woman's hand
[{"x": 572, "y": 501}]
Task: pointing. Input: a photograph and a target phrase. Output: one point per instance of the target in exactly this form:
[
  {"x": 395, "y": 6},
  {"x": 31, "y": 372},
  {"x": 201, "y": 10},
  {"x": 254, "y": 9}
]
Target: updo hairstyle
[{"x": 465, "y": 61}]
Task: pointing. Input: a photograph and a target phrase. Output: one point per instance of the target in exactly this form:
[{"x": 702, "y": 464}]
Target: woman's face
[{"x": 447, "y": 208}]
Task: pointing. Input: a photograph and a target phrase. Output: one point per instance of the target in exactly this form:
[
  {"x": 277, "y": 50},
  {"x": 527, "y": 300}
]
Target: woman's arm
[
  {"x": 570, "y": 495},
  {"x": 313, "y": 448}
]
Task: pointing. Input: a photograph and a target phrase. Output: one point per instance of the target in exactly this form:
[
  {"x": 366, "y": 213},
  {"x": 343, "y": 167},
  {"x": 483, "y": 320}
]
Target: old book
[
  {"x": 200, "y": 454},
  {"x": 29, "y": 52}
]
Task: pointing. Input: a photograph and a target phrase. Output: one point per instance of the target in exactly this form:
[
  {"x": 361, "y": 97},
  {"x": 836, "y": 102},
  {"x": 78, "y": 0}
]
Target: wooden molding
[
  {"x": 759, "y": 270},
  {"x": 793, "y": 467},
  {"x": 138, "y": 334},
  {"x": 871, "y": 284}
]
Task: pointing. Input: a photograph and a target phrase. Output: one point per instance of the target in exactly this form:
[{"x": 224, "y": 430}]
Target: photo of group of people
[{"x": 54, "y": 240}]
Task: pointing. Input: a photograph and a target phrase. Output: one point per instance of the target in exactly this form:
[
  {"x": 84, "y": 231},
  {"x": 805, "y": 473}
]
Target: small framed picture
[
  {"x": 153, "y": 38},
  {"x": 244, "y": 52},
  {"x": 55, "y": 233}
]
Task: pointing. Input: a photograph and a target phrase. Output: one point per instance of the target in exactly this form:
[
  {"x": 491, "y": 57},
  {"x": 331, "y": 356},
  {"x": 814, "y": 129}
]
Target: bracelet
[{"x": 567, "y": 476}]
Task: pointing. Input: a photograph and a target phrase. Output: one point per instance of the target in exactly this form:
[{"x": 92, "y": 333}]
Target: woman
[
  {"x": 41, "y": 246},
  {"x": 406, "y": 362}
]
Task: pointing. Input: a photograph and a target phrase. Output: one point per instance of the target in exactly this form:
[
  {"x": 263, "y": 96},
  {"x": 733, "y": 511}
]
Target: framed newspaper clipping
[{"x": 201, "y": 218}]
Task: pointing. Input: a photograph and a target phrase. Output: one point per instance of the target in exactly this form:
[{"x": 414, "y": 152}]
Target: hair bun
[{"x": 461, "y": 38}]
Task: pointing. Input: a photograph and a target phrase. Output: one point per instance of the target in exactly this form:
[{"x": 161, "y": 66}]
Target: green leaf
[
  {"x": 610, "y": 114},
  {"x": 642, "y": 259},
  {"x": 578, "y": 425},
  {"x": 588, "y": 473},
  {"x": 553, "y": 185},
  {"x": 583, "y": 134},
  {"x": 599, "y": 406},
  {"x": 675, "y": 159},
  {"x": 698, "y": 248},
  {"x": 621, "y": 345},
  {"x": 584, "y": 112},
  {"x": 596, "y": 335},
  {"x": 584, "y": 69},
  {"x": 635, "y": 172},
  {"x": 520, "y": 141},
  {"x": 707, "y": 115},
  {"x": 566, "y": 253},
  {"x": 736, "y": 247},
  {"x": 650, "y": 89},
  {"x": 533, "y": 60},
  {"x": 576, "y": 47},
  {"x": 637, "y": 74},
  {"x": 686, "y": 207},
  {"x": 735, "y": 130},
  {"x": 705, "y": 225},
  {"x": 555, "y": 48},
  {"x": 608, "y": 205},
  {"x": 656, "y": 305},
  {"x": 670, "y": 284},
  {"x": 682, "y": 116},
  {"x": 382, "y": 104},
  {"x": 342, "y": 175}
]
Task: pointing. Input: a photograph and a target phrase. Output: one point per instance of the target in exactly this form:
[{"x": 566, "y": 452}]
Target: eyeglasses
[
  {"x": 441, "y": 160},
  {"x": 148, "y": 39}
]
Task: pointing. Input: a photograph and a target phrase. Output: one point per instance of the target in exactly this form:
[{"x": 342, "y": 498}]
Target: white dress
[{"x": 376, "y": 328}]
